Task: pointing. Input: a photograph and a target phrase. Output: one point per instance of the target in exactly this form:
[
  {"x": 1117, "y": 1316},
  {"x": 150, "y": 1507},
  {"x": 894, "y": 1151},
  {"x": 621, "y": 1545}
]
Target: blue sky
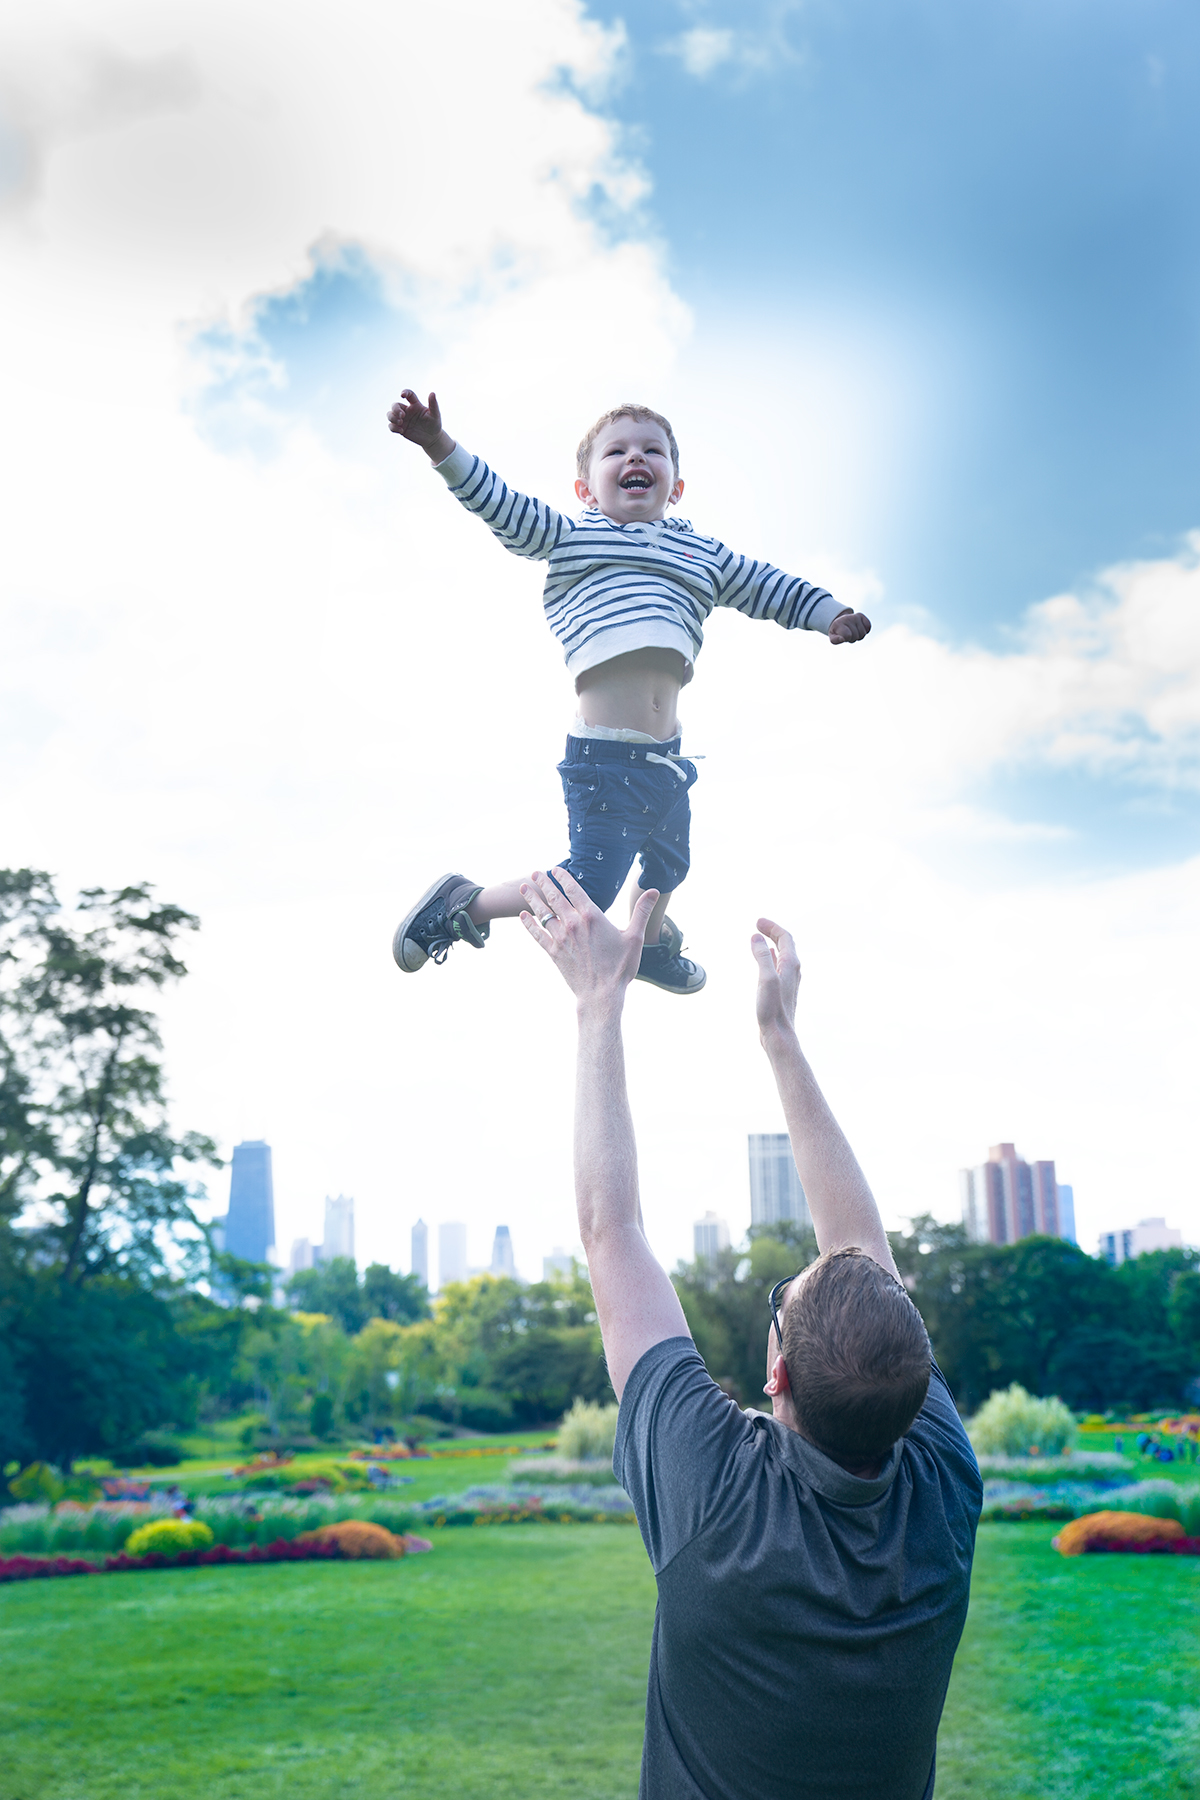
[{"x": 1014, "y": 190}]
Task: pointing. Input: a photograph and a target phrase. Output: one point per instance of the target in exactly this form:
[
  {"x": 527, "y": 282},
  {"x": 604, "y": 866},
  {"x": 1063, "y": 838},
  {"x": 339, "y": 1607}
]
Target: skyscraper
[
  {"x": 301, "y": 1257},
  {"x": 709, "y": 1235},
  {"x": 250, "y": 1222},
  {"x": 420, "y": 1251},
  {"x": 339, "y": 1227},
  {"x": 1007, "y": 1198},
  {"x": 775, "y": 1190},
  {"x": 1117, "y": 1247},
  {"x": 452, "y": 1253},
  {"x": 502, "y": 1253},
  {"x": 1066, "y": 1212}
]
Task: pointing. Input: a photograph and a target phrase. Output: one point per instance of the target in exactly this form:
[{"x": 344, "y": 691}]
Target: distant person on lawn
[{"x": 813, "y": 1567}]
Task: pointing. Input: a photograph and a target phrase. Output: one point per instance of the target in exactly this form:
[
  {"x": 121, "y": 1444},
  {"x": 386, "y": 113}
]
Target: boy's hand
[
  {"x": 421, "y": 425},
  {"x": 847, "y": 628},
  {"x": 595, "y": 959},
  {"x": 778, "y": 978}
]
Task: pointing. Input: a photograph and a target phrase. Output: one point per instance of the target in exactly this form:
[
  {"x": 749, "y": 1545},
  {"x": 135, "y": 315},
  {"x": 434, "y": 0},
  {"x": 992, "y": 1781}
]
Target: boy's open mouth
[{"x": 636, "y": 483}]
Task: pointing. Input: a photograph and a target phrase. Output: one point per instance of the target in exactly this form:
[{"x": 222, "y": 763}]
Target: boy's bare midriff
[{"x": 635, "y": 692}]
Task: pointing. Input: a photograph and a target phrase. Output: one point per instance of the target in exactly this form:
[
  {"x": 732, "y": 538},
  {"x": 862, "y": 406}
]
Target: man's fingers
[
  {"x": 640, "y": 916},
  {"x": 763, "y": 954},
  {"x": 552, "y": 899},
  {"x": 537, "y": 932},
  {"x": 575, "y": 894}
]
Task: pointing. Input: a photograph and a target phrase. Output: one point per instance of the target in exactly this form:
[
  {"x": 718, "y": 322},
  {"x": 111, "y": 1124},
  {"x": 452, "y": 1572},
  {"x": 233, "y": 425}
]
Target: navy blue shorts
[{"x": 619, "y": 805}]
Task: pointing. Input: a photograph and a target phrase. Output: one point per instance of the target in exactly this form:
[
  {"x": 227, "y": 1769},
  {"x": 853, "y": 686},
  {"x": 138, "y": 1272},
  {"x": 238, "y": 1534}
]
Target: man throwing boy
[
  {"x": 813, "y": 1566},
  {"x": 627, "y": 593}
]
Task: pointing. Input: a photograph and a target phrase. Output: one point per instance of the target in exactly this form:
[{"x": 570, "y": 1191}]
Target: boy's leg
[
  {"x": 666, "y": 859},
  {"x": 500, "y": 902}
]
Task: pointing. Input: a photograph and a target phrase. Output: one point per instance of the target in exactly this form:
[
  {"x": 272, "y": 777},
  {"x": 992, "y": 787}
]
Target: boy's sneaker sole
[{"x": 412, "y": 958}]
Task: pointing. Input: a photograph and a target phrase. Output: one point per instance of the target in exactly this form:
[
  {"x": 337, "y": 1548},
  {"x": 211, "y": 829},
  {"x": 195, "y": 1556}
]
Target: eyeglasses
[{"x": 773, "y": 1302}]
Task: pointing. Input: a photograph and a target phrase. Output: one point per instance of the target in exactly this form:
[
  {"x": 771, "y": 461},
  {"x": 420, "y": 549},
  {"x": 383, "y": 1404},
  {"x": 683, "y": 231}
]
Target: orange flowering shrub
[
  {"x": 356, "y": 1538},
  {"x": 1116, "y": 1531}
]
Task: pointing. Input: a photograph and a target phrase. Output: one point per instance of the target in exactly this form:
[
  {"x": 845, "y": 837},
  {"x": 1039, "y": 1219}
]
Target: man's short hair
[
  {"x": 641, "y": 415},
  {"x": 857, "y": 1356}
]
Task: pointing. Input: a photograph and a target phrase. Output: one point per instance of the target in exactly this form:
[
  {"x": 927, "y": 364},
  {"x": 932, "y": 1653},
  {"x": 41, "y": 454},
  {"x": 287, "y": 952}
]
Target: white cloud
[
  {"x": 747, "y": 48},
  {"x": 704, "y": 49},
  {"x": 289, "y": 691}
]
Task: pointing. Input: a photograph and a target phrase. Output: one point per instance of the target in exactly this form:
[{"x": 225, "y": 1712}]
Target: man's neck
[{"x": 866, "y": 1471}]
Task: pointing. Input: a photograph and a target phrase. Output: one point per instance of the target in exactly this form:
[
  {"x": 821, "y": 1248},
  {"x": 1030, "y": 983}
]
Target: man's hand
[
  {"x": 847, "y": 628},
  {"x": 421, "y": 425},
  {"x": 778, "y": 978},
  {"x": 595, "y": 959}
]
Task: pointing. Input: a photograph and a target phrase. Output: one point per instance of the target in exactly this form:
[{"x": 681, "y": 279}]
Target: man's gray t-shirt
[{"x": 807, "y": 1619}]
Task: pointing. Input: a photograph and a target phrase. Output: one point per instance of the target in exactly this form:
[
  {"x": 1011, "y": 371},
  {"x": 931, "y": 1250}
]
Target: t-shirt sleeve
[
  {"x": 526, "y": 526},
  {"x": 676, "y": 1435},
  {"x": 938, "y": 1430},
  {"x": 762, "y": 591}
]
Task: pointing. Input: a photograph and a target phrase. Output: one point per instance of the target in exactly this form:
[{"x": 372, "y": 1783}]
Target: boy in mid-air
[{"x": 627, "y": 593}]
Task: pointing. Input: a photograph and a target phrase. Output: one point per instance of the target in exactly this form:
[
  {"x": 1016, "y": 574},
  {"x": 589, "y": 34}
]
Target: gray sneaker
[
  {"x": 438, "y": 921},
  {"x": 663, "y": 967}
]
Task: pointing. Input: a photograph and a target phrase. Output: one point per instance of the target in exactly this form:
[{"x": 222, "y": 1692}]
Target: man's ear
[
  {"x": 585, "y": 493},
  {"x": 675, "y": 495},
  {"x": 777, "y": 1382}
]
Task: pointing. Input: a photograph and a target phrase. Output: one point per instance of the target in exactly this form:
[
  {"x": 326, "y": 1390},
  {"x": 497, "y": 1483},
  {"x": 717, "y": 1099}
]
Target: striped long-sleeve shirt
[{"x": 613, "y": 588}]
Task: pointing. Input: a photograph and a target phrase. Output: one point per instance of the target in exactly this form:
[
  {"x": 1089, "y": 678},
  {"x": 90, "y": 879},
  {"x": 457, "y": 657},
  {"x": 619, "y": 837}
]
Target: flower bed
[
  {"x": 1087, "y": 1465},
  {"x": 1070, "y": 1500},
  {"x": 31, "y": 1568},
  {"x": 351, "y": 1539},
  {"x": 491, "y": 1449},
  {"x": 239, "y": 1521}
]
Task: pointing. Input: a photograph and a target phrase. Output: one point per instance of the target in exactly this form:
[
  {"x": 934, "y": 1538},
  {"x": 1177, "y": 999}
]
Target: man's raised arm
[
  {"x": 843, "y": 1207},
  {"x": 635, "y": 1303}
]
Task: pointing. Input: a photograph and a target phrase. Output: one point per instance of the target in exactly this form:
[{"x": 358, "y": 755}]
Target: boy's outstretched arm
[
  {"x": 843, "y": 1207},
  {"x": 635, "y": 1303},
  {"x": 421, "y": 424}
]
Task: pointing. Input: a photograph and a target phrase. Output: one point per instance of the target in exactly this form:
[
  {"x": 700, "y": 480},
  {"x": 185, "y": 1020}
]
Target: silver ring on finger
[{"x": 545, "y": 920}]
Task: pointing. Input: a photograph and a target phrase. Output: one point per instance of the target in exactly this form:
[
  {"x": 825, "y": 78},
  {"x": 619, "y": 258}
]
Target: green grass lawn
[{"x": 511, "y": 1663}]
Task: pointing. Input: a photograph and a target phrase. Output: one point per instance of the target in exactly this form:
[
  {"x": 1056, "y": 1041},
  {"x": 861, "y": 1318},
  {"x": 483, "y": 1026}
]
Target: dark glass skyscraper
[{"x": 250, "y": 1225}]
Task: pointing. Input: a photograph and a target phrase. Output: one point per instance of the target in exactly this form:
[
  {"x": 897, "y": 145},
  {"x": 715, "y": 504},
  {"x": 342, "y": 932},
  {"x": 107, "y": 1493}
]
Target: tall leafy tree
[
  {"x": 96, "y": 1219},
  {"x": 85, "y": 1123}
]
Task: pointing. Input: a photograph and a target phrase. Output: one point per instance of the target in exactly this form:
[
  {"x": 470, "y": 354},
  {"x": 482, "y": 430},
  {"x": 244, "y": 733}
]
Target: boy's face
[{"x": 630, "y": 477}]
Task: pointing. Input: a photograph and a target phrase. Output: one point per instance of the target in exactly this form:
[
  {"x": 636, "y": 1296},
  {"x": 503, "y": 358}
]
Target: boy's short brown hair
[
  {"x": 642, "y": 415},
  {"x": 857, "y": 1356}
]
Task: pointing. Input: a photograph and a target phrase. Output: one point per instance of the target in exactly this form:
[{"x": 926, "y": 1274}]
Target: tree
[
  {"x": 84, "y": 1120},
  {"x": 724, "y": 1300},
  {"x": 89, "y": 1275},
  {"x": 387, "y": 1295},
  {"x": 1183, "y": 1310},
  {"x": 336, "y": 1288},
  {"x": 514, "y": 1355},
  {"x": 331, "y": 1288}
]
